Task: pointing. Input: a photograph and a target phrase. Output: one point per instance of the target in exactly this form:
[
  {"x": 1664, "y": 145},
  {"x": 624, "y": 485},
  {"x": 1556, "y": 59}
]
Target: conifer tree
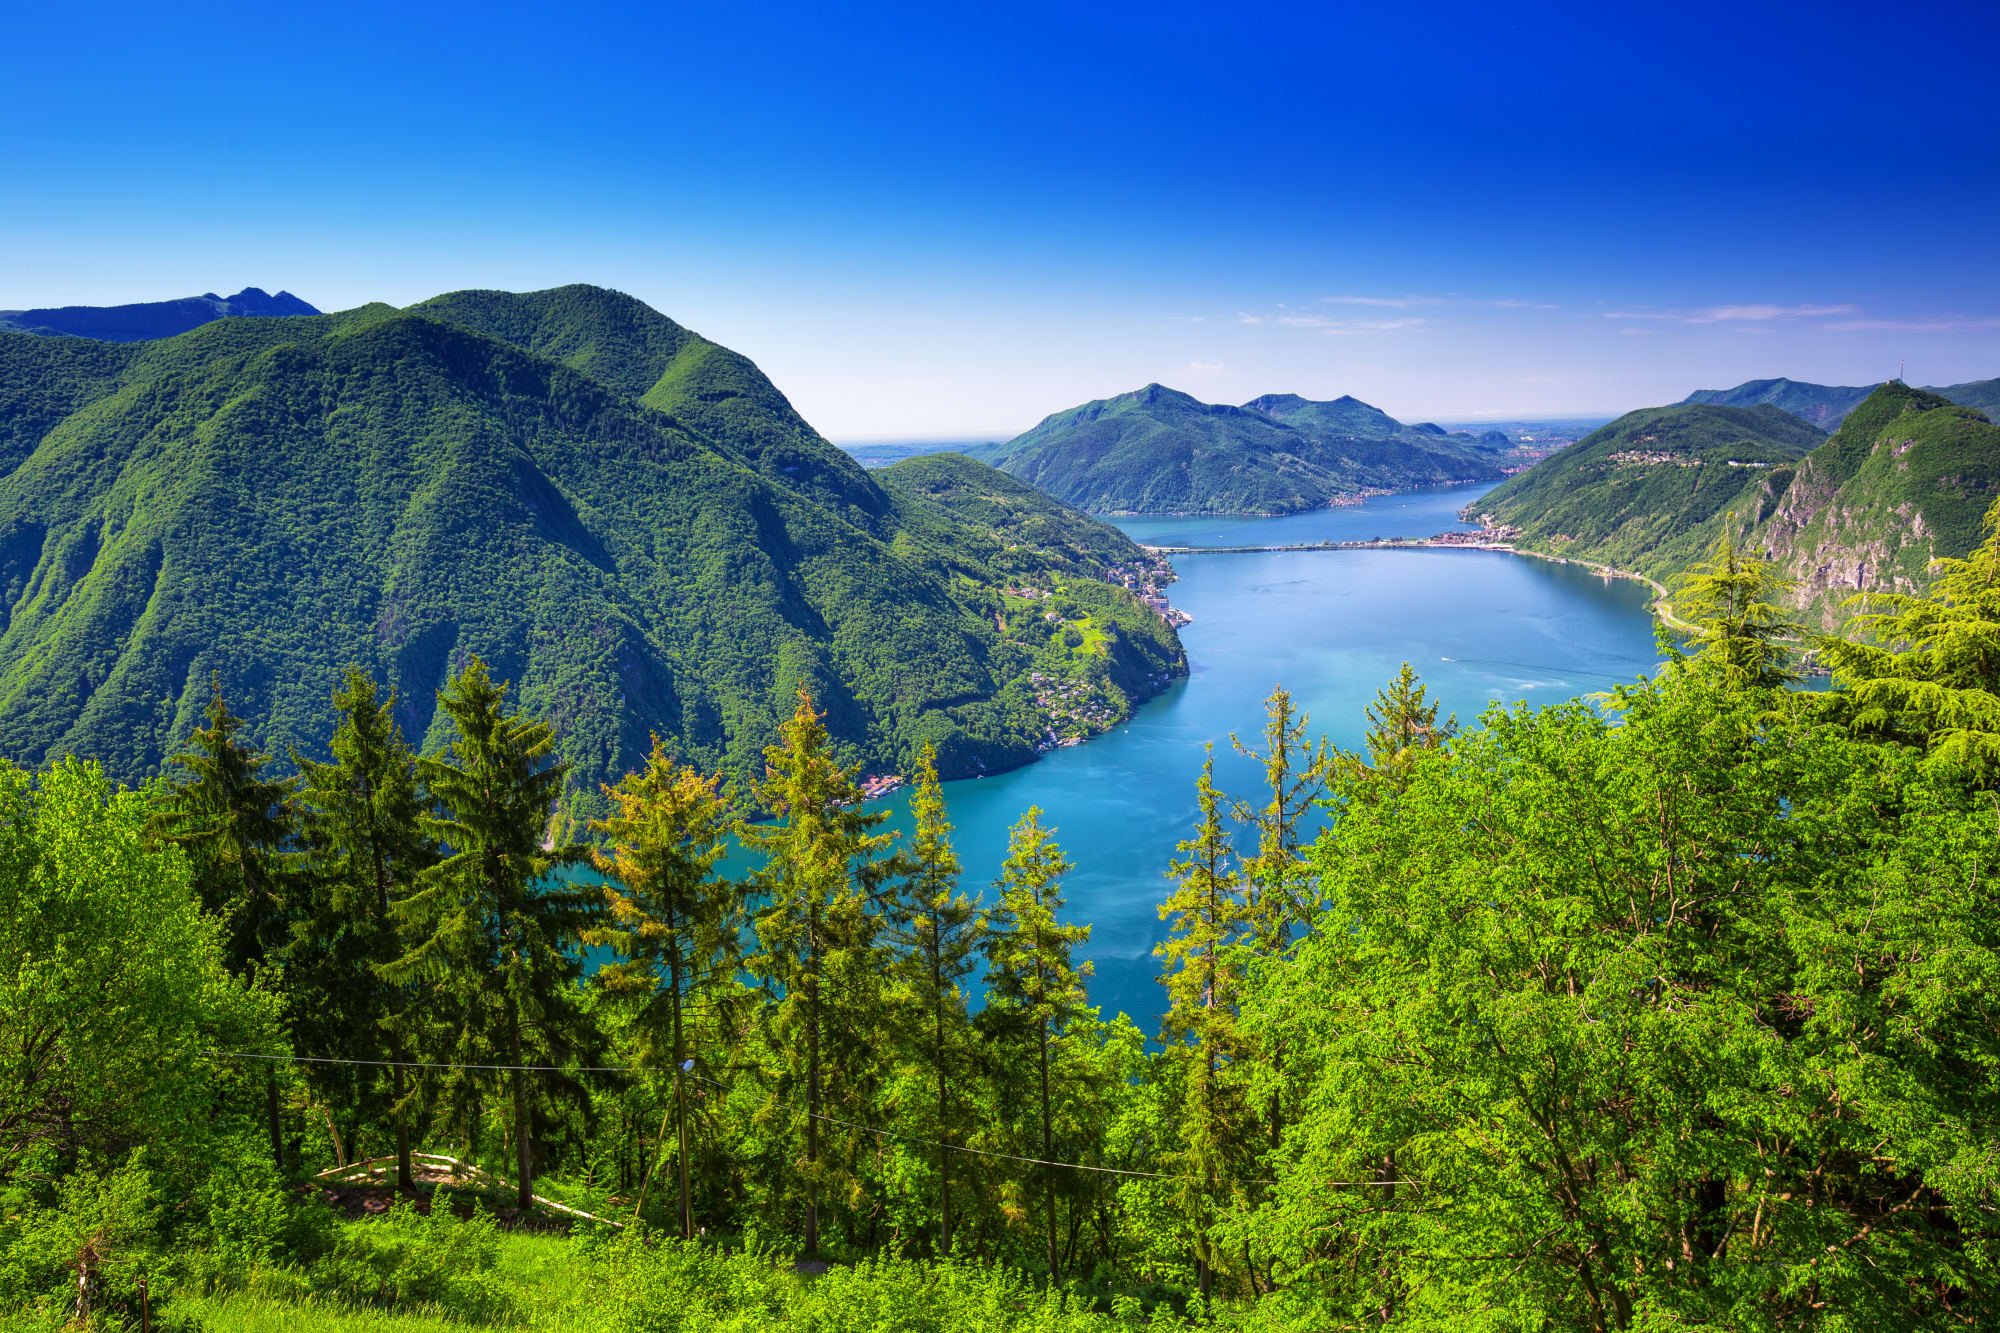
[
  {"x": 1925, "y": 667},
  {"x": 1741, "y": 631},
  {"x": 485, "y": 920},
  {"x": 1035, "y": 985},
  {"x": 940, "y": 930},
  {"x": 672, "y": 921},
  {"x": 1201, "y": 1032},
  {"x": 235, "y": 825},
  {"x": 816, "y": 936},
  {"x": 1296, "y": 771},
  {"x": 1402, "y": 724},
  {"x": 366, "y": 846}
]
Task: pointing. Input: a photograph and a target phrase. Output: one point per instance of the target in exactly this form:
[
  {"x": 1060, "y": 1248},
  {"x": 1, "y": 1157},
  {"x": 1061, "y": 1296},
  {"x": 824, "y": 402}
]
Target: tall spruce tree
[
  {"x": 486, "y": 921},
  {"x": 1201, "y": 1031},
  {"x": 1035, "y": 985},
  {"x": 1741, "y": 629},
  {"x": 361, "y": 824},
  {"x": 235, "y": 825},
  {"x": 939, "y": 930},
  {"x": 816, "y": 935},
  {"x": 673, "y": 922}
]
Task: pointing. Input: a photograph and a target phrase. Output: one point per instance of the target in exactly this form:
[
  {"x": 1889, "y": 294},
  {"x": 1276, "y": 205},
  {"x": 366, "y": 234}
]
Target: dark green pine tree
[
  {"x": 236, "y": 828},
  {"x": 365, "y": 846},
  {"x": 486, "y": 922},
  {"x": 1035, "y": 985},
  {"x": 938, "y": 931},
  {"x": 234, "y": 823},
  {"x": 816, "y": 938}
]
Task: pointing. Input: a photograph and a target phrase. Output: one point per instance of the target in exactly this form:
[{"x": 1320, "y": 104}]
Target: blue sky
[{"x": 952, "y": 221}]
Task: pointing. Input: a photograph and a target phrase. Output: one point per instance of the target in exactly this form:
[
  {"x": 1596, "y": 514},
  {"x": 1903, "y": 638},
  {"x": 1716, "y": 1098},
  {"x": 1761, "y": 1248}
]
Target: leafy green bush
[{"x": 408, "y": 1257}]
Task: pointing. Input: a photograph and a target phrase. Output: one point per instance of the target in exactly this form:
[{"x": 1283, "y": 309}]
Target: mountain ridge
[
  {"x": 147, "y": 320},
  {"x": 1160, "y": 450},
  {"x": 269, "y": 500}
]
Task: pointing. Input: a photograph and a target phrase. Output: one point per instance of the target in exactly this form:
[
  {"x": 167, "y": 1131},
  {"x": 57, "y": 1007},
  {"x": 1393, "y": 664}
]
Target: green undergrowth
[{"x": 413, "y": 1274}]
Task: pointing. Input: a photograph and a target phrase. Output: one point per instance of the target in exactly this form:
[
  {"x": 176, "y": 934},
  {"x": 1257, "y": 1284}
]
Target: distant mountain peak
[{"x": 148, "y": 320}]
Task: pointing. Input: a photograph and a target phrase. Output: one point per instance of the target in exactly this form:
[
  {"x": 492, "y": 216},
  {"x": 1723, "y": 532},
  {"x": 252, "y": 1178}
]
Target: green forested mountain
[
  {"x": 1826, "y": 406},
  {"x": 626, "y": 520},
  {"x": 1983, "y": 395},
  {"x": 1157, "y": 450},
  {"x": 1639, "y": 492},
  {"x": 1025, "y": 525},
  {"x": 1905, "y": 479},
  {"x": 1822, "y": 405},
  {"x": 151, "y": 319}
]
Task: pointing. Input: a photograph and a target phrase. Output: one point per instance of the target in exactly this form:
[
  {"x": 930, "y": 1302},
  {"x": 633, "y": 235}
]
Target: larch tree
[
  {"x": 672, "y": 920},
  {"x": 1277, "y": 885},
  {"x": 1402, "y": 725},
  {"x": 486, "y": 921},
  {"x": 1035, "y": 984},
  {"x": 816, "y": 935},
  {"x": 235, "y": 825},
  {"x": 365, "y": 846},
  {"x": 939, "y": 930},
  {"x": 1201, "y": 1031}
]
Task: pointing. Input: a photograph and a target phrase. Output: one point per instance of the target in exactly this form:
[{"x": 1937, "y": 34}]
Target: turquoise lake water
[{"x": 1332, "y": 626}]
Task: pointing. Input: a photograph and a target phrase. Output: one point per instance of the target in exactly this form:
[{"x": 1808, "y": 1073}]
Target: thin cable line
[{"x": 816, "y": 1115}]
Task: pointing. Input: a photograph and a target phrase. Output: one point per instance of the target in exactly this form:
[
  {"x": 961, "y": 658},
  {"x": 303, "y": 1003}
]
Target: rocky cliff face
[{"x": 1907, "y": 479}]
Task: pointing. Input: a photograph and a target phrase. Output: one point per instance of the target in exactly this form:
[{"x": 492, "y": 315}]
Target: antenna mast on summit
[{"x": 1899, "y": 370}]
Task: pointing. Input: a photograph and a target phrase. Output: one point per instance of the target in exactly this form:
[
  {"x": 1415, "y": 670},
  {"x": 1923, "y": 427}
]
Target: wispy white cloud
[
  {"x": 1737, "y": 314},
  {"x": 1338, "y": 327},
  {"x": 1393, "y": 302},
  {"x": 1409, "y": 302},
  {"x": 1205, "y": 369}
]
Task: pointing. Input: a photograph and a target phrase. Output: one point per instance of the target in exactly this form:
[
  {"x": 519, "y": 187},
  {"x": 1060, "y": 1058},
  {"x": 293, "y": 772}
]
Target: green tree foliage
[
  {"x": 1035, "y": 985},
  {"x": 114, "y": 993},
  {"x": 234, "y": 823},
  {"x": 1204, "y": 953},
  {"x": 673, "y": 922},
  {"x": 1402, "y": 725},
  {"x": 816, "y": 945},
  {"x": 365, "y": 845},
  {"x": 1671, "y": 1021},
  {"x": 628, "y": 521},
  {"x": 486, "y": 921},
  {"x": 937, "y": 931},
  {"x": 1296, "y": 768},
  {"x": 1734, "y": 599},
  {"x": 1926, "y": 668}
]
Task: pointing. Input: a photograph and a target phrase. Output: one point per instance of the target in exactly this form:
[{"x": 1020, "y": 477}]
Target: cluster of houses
[{"x": 1073, "y": 708}]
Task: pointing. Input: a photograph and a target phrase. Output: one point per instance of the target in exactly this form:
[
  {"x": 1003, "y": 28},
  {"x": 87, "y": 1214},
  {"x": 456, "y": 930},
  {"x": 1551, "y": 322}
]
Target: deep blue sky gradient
[{"x": 933, "y": 220}]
